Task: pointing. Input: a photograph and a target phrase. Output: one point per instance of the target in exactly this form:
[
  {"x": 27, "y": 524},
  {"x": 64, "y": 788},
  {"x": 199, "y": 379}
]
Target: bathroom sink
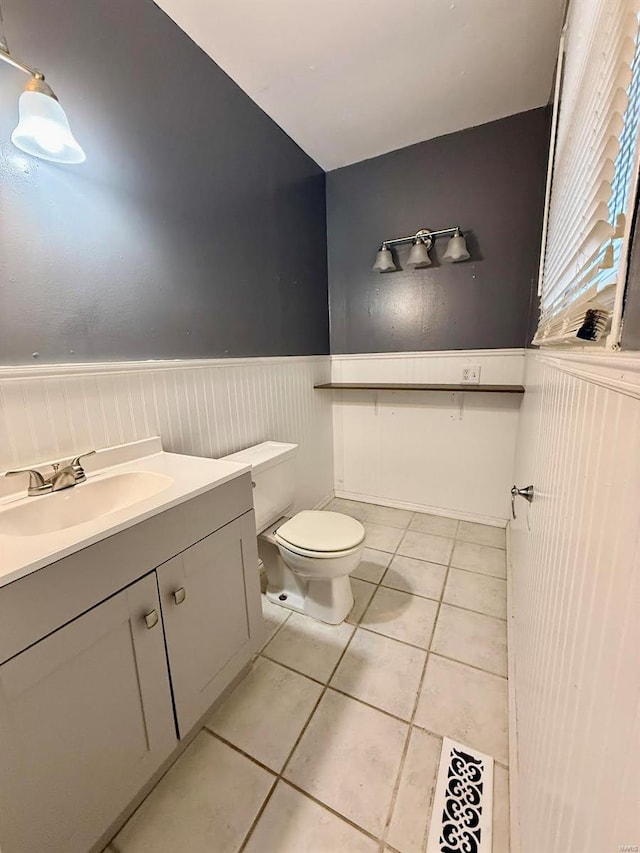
[{"x": 86, "y": 502}]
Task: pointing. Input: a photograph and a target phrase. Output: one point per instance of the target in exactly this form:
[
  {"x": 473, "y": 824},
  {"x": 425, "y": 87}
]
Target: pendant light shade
[
  {"x": 384, "y": 260},
  {"x": 43, "y": 129},
  {"x": 456, "y": 249},
  {"x": 419, "y": 255}
]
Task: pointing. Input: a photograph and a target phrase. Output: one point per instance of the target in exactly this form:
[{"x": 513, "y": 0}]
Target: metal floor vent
[{"x": 463, "y": 803}]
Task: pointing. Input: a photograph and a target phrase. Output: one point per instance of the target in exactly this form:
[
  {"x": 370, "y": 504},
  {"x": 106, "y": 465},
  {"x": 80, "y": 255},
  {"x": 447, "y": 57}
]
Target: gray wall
[
  {"x": 196, "y": 227},
  {"x": 490, "y": 181}
]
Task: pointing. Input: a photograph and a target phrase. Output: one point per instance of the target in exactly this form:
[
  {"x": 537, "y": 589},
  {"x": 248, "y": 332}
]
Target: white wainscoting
[
  {"x": 447, "y": 453},
  {"x": 575, "y": 630},
  {"x": 203, "y": 408}
]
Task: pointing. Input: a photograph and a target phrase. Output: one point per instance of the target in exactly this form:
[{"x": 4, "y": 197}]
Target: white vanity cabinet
[
  {"x": 85, "y": 719},
  {"x": 110, "y": 660},
  {"x": 210, "y": 600}
]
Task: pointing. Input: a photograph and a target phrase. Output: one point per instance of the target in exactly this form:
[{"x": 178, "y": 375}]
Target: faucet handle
[
  {"x": 37, "y": 484},
  {"x": 76, "y": 465}
]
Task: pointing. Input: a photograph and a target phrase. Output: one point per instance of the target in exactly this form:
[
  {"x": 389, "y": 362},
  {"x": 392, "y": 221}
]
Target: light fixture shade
[
  {"x": 43, "y": 130},
  {"x": 419, "y": 255},
  {"x": 456, "y": 250},
  {"x": 384, "y": 261}
]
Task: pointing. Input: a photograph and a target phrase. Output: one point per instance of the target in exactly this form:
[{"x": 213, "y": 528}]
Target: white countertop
[{"x": 190, "y": 476}]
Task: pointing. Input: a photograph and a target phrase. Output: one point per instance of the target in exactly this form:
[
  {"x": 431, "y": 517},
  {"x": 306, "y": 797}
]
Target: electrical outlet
[{"x": 471, "y": 374}]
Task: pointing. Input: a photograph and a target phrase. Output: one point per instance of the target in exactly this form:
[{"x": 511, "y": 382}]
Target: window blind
[{"x": 593, "y": 175}]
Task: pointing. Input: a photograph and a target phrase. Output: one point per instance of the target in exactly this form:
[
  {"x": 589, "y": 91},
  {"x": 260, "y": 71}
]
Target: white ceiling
[{"x": 351, "y": 79}]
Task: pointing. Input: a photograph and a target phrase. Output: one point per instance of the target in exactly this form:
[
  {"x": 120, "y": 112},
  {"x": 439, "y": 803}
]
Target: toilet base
[{"x": 328, "y": 601}]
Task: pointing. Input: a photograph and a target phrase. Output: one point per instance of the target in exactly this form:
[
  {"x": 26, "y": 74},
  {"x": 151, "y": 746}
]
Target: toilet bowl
[
  {"x": 318, "y": 551},
  {"x": 308, "y": 556}
]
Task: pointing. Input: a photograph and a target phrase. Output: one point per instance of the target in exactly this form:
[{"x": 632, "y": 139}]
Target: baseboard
[
  {"x": 514, "y": 825},
  {"x": 322, "y": 504},
  {"x": 432, "y": 510}
]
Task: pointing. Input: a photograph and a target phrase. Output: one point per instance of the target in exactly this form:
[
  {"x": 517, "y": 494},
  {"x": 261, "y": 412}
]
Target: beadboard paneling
[
  {"x": 450, "y": 453},
  {"x": 201, "y": 408},
  {"x": 575, "y": 593}
]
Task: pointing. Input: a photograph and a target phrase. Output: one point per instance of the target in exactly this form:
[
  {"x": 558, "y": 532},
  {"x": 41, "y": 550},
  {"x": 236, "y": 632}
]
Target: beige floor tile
[
  {"x": 382, "y": 537},
  {"x": 207, "y": 801},
  {"x": 309, "y": 646},
  {"x": 482, "y": 534},
  {"x": 292, "y": 823},
  {"x": 465, "y": 704},
  {"x": 348, "y": 758},
  {"x": 483, "y": 593},
  {"x": 402, "y": 616},
  {"x": 479, "y": 558},
  {"x": 382, "y": 672},
  {"x": 426, "y": 546},
  {"x": 273, "y": 616},
  {"x": 436, "y": 524},
  {"x": 390, "y": 515},
  {"x": 362, "y": 594},
  {"x": 415, "y": 576},
  {"x": 353, "y": 508},
  {"x": 412, "y": 810},
  {"x": 372, "y": 566},
  {"x": 471, "y": 638},
  {"x": 266, "y": 712},
  {"x": 500, "y": 810}
]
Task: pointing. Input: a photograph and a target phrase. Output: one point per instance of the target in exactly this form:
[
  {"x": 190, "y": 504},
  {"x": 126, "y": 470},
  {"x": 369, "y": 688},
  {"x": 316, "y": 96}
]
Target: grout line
[
  {"x": 239, "y": 749},
  {"x": 470, "y": 665},
  {"x": 439, "y": 654},
  {"x": 318, "y": 802},
  {"x": 403, "y": 760},
  {"x": 483, "y": 544},
  {"x": 404, "y": 720},
  {"x": 393, "y": 639},
  {"x": 477, "y": 612},
  {"x": 293, "y": 669},
  {"x": 259, "y": 814},
  {"x": 432, "y": 598},
  {"x": 277, "y": 631}
]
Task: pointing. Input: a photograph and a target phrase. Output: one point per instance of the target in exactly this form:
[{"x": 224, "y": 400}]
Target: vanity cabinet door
[
  {"x": 85, "y": 719},
  {"x": 212, "y": 615}
]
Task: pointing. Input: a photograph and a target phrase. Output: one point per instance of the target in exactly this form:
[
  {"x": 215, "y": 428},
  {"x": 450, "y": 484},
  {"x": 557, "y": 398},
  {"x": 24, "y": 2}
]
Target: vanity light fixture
[
  {"x": 43, "y": 128},
  {"x": 456, "y": 249},
  {"x": 419, "y": 254}
]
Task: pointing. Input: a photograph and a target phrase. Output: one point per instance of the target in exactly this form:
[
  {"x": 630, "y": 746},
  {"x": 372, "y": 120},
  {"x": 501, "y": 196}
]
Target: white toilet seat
[
  {"x": 317, "y": 552},
  {"x": 321, "y": 535},
  {"x": 319, "y": 555}
]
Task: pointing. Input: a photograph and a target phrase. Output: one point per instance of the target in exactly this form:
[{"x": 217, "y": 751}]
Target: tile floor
[{"x": 331, "y": 743}]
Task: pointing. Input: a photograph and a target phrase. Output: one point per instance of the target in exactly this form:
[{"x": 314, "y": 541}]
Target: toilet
[{"x": 308, "y": 556}]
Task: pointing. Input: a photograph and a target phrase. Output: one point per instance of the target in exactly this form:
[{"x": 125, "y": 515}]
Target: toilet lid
[{"x": 322, "y": 531}]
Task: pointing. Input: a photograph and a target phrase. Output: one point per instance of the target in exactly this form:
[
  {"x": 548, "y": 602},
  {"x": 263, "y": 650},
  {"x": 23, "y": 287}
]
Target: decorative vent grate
[{"x": 463, "y": 804}]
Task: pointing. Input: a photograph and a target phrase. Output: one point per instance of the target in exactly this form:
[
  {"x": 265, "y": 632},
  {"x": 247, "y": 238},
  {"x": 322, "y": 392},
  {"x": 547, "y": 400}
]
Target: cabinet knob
[
  {"x": 179, "y": 595},
  {"x": 151, "y": 618}
]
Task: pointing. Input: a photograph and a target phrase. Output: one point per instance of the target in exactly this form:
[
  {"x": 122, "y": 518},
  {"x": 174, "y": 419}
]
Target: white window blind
[{"x": 594, "y": 172}]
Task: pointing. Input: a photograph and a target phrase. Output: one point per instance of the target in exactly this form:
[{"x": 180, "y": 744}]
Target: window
[{"x": 593, "y": 177}]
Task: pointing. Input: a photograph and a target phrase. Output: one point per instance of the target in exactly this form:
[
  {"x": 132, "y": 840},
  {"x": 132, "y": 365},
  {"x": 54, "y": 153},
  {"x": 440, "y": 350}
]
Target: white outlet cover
[{"x": 471, "y": 374}]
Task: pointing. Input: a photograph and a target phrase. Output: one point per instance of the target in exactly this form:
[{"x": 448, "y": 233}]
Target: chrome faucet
[{"x": 69, "y": 475}]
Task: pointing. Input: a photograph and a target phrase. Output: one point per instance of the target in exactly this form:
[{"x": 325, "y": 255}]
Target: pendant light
[{"x": 43, "y": 128}]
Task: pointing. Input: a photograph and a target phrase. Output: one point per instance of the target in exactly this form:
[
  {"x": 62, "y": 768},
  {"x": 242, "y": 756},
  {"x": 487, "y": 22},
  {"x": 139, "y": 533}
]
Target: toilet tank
[{"x": 273, "y": 476}]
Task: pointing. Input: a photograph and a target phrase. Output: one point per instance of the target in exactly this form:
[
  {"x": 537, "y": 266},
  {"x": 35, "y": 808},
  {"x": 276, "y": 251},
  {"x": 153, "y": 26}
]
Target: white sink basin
[{"x": 86, "y": 502}]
